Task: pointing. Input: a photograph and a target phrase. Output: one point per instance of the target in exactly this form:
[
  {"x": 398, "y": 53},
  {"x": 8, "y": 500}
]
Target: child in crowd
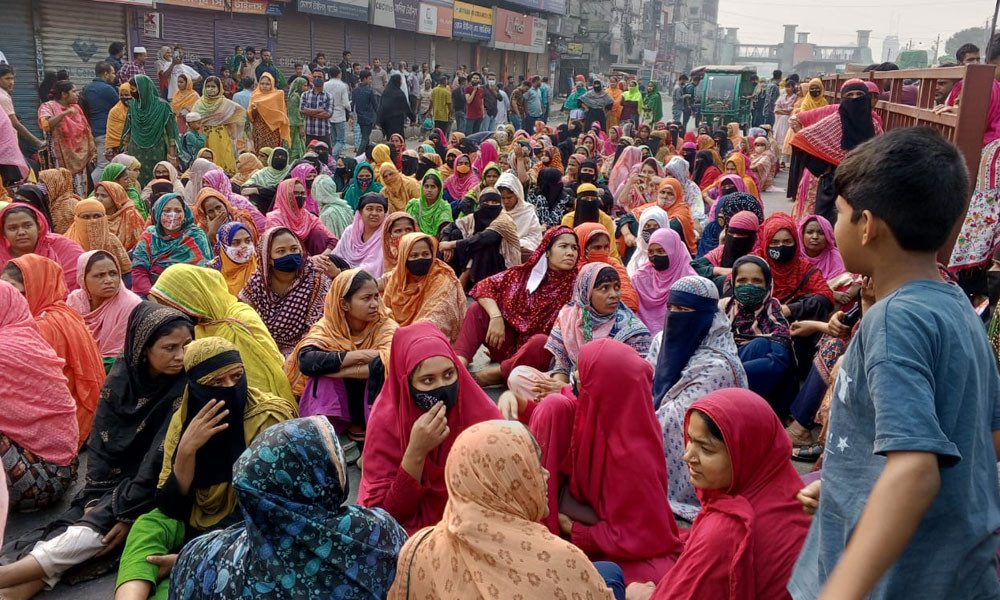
[
  {"x": 193, "y": 139},
  {"x": 909, "y": 505}
]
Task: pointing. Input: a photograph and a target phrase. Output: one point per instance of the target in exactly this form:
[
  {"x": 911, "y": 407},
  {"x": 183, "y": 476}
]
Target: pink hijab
[
  {"x": 630, "y": 157},
  {"x": 50, "y": 245},
  {"x": 286, "y": 214},
  {"x": 458, "y": 185},
  {"x": 487, "y": 153},
  {"x": 219, "y": 181},
  {"x": 108, "y": 323},
  {"x": 653, "y": 286},
  {"x": 363, "y": 254},
  {"x": 301, "y": 172},
  {"x": 829, "y": 261}
]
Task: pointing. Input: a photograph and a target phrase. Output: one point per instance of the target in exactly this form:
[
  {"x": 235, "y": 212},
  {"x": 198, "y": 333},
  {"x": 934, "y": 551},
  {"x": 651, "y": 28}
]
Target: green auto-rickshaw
[{"x": 723, "y": 96}]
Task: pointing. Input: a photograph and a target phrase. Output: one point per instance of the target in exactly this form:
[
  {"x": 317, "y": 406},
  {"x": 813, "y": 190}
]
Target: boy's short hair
[{"x": 913, "y": 179}]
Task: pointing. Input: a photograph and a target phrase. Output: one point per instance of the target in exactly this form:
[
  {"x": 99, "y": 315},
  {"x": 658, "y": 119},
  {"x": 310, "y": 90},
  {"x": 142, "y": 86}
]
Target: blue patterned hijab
[{"x": 298, "y": 541}]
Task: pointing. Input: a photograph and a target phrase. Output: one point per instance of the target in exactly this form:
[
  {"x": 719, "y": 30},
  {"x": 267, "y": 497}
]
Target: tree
[
  {"x": 912, "y": 59},
  {"x": 975, "y": 35}
]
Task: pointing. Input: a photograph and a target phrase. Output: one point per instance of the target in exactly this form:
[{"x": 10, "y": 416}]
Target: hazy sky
[{"x": 833, "y": 22}]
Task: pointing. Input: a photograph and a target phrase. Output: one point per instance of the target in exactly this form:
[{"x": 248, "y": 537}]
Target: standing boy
[{"x": 909, "y": 505}]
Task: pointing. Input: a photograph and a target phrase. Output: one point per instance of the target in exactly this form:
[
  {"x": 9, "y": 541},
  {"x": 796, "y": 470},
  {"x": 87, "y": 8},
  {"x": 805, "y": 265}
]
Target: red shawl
[
  {"x": 788, "y": 275},
  {"x": 530, "y": 313},
  {"x": 745, "y": 540},
  {"x": 617, "y": 464},
  {"x": 383, "y": 481}
]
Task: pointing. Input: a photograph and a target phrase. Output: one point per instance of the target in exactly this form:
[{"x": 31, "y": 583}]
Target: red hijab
[
  {"x": 790, "y": 280},
  {"x": 745, "y": 540},
  {"x": 617, "y": 464},
  {"x": 392, "y": 419}
]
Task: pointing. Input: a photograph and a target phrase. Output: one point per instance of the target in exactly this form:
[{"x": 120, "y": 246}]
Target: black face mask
[
  {"x": 300, "y": 201},
  {"x": 490, "y": 211},
  {"x": 419, "y": 266},
  {"x": 661, "y": 262},
  {"x": 278, "y": 163},
  {"x": 409, "y": 165},
  {"x": 323, "y": 156},
  {"x": 781, "y": 254},
  {"x": 728, "y": 189},
  {"x": 426, "y": 399},
  {"x": 587, "y": 177},
  {"x": 342, "y": 172},
  {"x": 815, "y": 93},
  {"x": 309, "y": 184},
  {"x": 450, "y": 162},
  {"x": 214, "y": 461}
]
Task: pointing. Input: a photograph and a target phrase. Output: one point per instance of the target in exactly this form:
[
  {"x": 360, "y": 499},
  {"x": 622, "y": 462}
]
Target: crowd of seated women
[{"x": 223, "y": 346}]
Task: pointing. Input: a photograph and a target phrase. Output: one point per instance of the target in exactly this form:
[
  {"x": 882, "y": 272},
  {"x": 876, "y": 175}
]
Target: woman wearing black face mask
[
  {"x": 549, "y": 197},
  {"x": 410, "y": 163},
  {"x": 424, "y": 288},
  {"x": 597, "y": 101},
  {"x": 344, "y": 172},
  {"x": 338, "y": 368},
  {"x": 196, "y": 496},
  {"x": 289, "y": 211},
  {"x": 429, "y": 399},
  {"x": 271, "y": 175},
  {"x": 483, "y": 243}
]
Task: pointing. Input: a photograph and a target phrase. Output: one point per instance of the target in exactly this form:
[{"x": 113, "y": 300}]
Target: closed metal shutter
[
  {"x": 294, "y": 43},
  {"x": 188, "y": 27},
  {"x": 233, "y": 29},
  {"x": 446, "y": 55},
  {"x": 490, "y": 59},
  {"x": 76, "y": 35},
  {"x": 421, "y": 49},
  {"x": 357, "y": 42},
  {"x": 465, "y": 55},
  {"x": 20, "y": 52},
  {"x": 378, "y": 45},
  {"x": 328, "y": 38}
]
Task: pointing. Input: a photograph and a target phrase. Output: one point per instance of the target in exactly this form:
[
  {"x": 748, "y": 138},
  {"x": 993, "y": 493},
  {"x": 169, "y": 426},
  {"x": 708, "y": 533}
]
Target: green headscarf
[
  {"x": 269, "y": 177},
  {"x": 149, "y": 116},
  {"x": 473, "y": 194},
  {"x": 430, "y": 217},
  {"x": 654, "y": 103},
  {"x": 632, "y": 93},
  {"x": 335, "y": 213},
  {"x": 115, "y": 170},
  {"x": 573, "y": 100},
  {"x": 295, "y": 117},
  {"x": 353, "y": 193}
]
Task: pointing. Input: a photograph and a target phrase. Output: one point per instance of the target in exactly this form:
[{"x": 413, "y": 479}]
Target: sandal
[
  {"x": 356, "y": 433},
  {"x": 352, "y": 452},
  {"x": 808, "y": 454}
]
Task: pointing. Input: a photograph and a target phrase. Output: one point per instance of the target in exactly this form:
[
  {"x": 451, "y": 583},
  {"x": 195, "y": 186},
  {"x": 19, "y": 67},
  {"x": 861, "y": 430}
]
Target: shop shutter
[
  {"x": 188, "y": 27},
  {"x": 421, "y": 49},
  {"x": 234, "y": 29},
  {"x": 20, "y": 52},
  {"x": 294, "y": 43},
  {"x": 446, "y": 54},
  {"x": 490, "y": 59},
  {"x": 76, "y": 35},
  {"x": 328, "y": 38},
  {"x": 378, "y": 44},
  {"x": 357, "y": 42},
  {"x": 465, "y": 54}
]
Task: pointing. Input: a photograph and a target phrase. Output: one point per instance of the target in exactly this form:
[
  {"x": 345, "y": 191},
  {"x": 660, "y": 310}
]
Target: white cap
[
  {"x": 138, "y": 50},
  {"x": 192, "y": 116}
]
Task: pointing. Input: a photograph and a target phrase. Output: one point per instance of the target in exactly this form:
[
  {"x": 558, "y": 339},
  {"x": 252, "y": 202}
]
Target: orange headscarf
[
  {"x": 740, "y": 162},
  {"x": 588, "y": 231},
  {"x": 246, "y": 165},
  {"x": 678, "y": 210},
  {"x": 65, "y": 330},
  {"x": 390, "y": 250},
  {"x": 201, "y": 218},
  {"x": 62, "y": 198},
  {"x": 126, "y": 222},
  {"x": 332, "y": 333},
  {"x": 437, "y": 297},
  {"x": 272, "y": 108},
  {"x": 93, "y": 234}
]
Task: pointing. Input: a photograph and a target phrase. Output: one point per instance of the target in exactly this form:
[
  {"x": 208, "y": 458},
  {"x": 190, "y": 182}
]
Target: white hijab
[
  {"x": 523, "y": 214},
  {"x": 641, "y": 254}
]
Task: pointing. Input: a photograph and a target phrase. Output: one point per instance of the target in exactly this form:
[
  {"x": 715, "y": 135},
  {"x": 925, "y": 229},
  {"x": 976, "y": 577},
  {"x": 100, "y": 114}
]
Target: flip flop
[{"x": 808, "y": 454}]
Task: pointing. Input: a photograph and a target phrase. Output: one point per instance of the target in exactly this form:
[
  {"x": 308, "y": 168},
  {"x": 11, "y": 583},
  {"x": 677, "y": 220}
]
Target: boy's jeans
[{"x": 339, "y": 132}]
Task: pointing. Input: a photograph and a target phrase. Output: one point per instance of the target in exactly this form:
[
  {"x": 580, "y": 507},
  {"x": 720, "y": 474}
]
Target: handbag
[{"x": 428, "y": 123}]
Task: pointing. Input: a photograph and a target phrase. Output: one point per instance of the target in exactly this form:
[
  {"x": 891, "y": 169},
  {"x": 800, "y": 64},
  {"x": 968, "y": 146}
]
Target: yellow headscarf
[
  {"x": 116, "y": 120},
  {"x": 272, "y": 108},
  {"x": 380, "y": 154},
  {"x": 185, "y": 98},
  {"x": 809, "y": 102},
  {"x": 216, "y": 502},
  {"x": 203, "y": 294}
]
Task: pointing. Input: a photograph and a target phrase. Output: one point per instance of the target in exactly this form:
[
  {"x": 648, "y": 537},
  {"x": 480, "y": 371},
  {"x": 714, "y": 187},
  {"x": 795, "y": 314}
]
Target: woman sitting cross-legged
[
  {"x": 219, "y": 416},
  {"x": 694, "y": 355},
  {"x": 38, "y": 430},
  {"x": 490, "y": 538},
  {"x": 339, "y": 367},
  {"x": 595, "y": 312},
  {"x": 594, "y": 499},
  {"x": 298, "y": 540},
  {"x": 125, "y": 454},
  {"x": 515, "y": 304},
  {"x": 285, "y": 290},
  {"x": 483, "y": 243},
  {"x": 748, "y": 534},
  {"x": 424, "y": 288},
  {"x": 428, "y": 400}
]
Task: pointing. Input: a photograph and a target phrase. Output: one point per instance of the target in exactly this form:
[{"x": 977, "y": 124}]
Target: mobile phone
[
  {"x": 177, "y": 54},
  {"x": 851, "y": 317}
]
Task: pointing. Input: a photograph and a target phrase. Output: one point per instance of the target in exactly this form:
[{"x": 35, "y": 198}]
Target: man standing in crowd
[
  {"x": 413, "y": 85},
  {"x": 546, "y": 91},
  {"x": 267, "y": 66},
  {"x": 474, "y": 104},
  {"x": 442, "y": 108},
  {"x": 116, "y": 51},
  {"x": 251, "y": 64},
  {"x": 458, "y": 103},
  {"x": 967, "y": 54},
  {"x": 771, "y": 96},
  {"x": 532, "y": 105},
  {"x": 491, "y": 98},
  {"x": 677, "y": 107},
  {"x": 318, "y": 62},
  {"x": 99, "y": 98},
  {"x": 379, "y": 79},
  {"x": 341, "y": 97},
  {"x": 518, "y": 104},
  {"x": 136, "y": 66},
  {"x": 7, "y": 103},
  {"x": 242, "y": 97},
  {"x": 317, "y": 107},
  {"x": 346, "y": 71},
  {"x": 690, "y": 102},
  {"x": 365, "y": 107}
]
